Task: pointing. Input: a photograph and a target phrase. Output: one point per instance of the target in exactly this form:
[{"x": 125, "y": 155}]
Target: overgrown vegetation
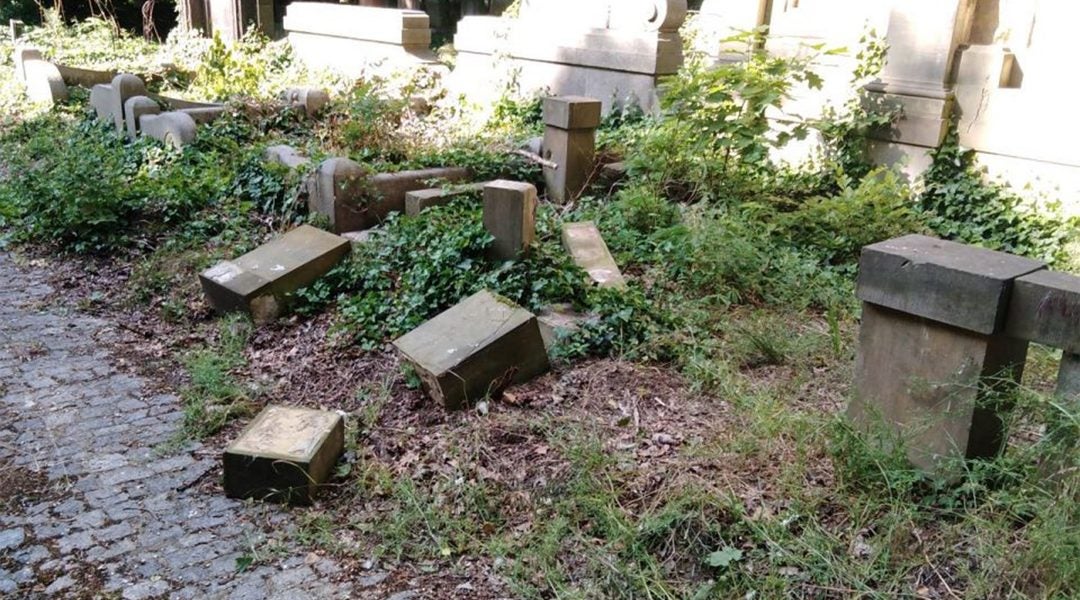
[{"x": 705, "y": 457}]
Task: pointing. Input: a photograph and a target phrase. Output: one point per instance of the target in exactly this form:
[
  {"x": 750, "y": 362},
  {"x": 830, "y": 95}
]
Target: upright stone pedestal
[
  {"x": 475, "y": 349},
  {"x": 284, "y": 455},
  {"x": 570, "y": 124},
  {"x": 510, "y": 217},
  {"x": 933, "y": 351}
]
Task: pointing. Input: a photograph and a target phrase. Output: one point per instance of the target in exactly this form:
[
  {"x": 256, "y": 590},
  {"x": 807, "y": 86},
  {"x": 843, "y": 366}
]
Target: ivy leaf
[{"x": 724, "y": 557}]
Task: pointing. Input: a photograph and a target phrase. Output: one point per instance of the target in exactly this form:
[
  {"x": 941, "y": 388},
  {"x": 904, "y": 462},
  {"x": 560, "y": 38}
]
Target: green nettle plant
[{"x": 717, "y": 127}]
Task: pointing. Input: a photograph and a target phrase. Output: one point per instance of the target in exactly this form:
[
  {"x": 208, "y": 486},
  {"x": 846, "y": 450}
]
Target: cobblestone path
[{"x": 108, "y": 516}]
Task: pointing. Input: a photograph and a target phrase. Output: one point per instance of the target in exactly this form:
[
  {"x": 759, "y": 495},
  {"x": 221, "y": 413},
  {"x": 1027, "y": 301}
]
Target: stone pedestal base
[{"x": 933, "y": 385}]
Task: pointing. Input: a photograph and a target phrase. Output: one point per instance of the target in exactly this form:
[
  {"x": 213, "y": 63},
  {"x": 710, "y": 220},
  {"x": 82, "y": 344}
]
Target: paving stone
[
  {"x": 12, "y": 538},
  {"x": 99, "y": 430}
]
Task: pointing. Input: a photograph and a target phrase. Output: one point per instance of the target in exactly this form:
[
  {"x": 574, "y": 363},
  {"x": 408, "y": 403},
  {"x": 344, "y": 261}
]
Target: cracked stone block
[
  {"x": 476, "y": 348},
  {"x": 418, "y": 201},
  {"x": 284, "y": 454},
  {"x": 510, "y": 217},
  {"x": 259, "y": 281},
  {"x": 585, "y": 244},
  {"x": 944, "y": 281}
]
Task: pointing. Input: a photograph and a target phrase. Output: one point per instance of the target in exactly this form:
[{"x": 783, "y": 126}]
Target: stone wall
[{"x": 994, "y": 65}]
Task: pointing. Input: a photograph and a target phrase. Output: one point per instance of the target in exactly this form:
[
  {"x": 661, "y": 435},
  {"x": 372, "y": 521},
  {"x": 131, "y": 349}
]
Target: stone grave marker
[
  {"x": 510, "y": 217},
  {"x": 284, "y": 455},
  {"x": 259, "y": 281},
  {"x": 418, "y": 201},
  {"x": 570, "y": 124},
  {"x": 933, "y": 349},
  {"x": 585, "y": 244},
  {"x": 474, "y": 349}
]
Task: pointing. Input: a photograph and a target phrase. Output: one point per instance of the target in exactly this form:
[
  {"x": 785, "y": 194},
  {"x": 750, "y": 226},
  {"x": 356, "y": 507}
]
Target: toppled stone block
[
  {"x": 418, "y": 201},
  {"x": 204, "y": 115},
  {"x": 475, "y": 349},
  {"x": 134, "y": 109},
  {"x": 308, "y": 100},
  {"x": 174, "y": 128},
  {"x": 510, "y": 217},
  {"x": 284, "y": 455},
  {"x": 613, "y": 172},
  {"x": 259, "y": 281},
  {"x": 569, "y": 142},
  {"x": 951, "y": 283},
  {"x": 286, "y": 156},
  {"x": 585, "y": 244},
  {"x": 352, "y": 199},
  {"x": 1045, "y": 308}
]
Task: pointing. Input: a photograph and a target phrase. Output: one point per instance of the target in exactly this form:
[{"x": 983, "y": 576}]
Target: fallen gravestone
[
  {"x": 510, "y": 217},
  {"x": 475, "y": 349},
  {"x": 284, "y": 455},
  {"x": 933, "y": 350},
  {"x": 585, "y": 244},
  {"x": 418, "y": 201},
  {"x": 259, "y": 281},
  {"x": 570, "y": 124},
  {"x": 108, "y": 99}
]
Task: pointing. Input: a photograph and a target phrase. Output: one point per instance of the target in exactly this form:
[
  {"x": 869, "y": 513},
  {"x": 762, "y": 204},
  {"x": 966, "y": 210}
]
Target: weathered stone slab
[
  {"x": 1068, "y": 383},
  {"x": 585, "y": 244},
  {"x": 570, "y": 143},
  {"x": 1045, "y": 308},
  {"x": 557, "y": 322},
  {"x": 134, "y": 109},
  {"x": 353, "y": 199},
  {"x": 284, "y": 455},
  {"x": 475, "y": 349},
  {"x": 204, "y": 114},
  {"x": 943, "y": 281},
  {"x": 174, "y": 128},
  {"x": 22, "y": 55},
  {"x": 259, "y": 281},
  {"x": 932, "y": 385},
  {"x": 510, "y": 217},
  {"x": 44, "y": 83},
  {"x": 286, "y": 156},
  {"x": 86, "y": 78},
  {"x": 418, "y": 201},
  {"x": 108, "y": 100}
]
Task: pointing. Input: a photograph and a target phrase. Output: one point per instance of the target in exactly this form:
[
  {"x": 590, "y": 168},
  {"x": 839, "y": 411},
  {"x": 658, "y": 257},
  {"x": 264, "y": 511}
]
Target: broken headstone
[{"x": 585, "y": 244}]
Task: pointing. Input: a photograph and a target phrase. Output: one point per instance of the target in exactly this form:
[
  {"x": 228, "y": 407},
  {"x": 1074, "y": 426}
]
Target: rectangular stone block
[
  {"x": 932, "y": 385},
  {"x": 585, "y": 244},
  {"x": 475, "y": 349},
  {"x": 574, "y": 153},
  {"x": 572, "y": 112},
  {"x": 258, "y": 281},
  {"x": 510, "y": 217},
  {"x": 951, "y": 283},
  {"x": 418, "y": 201},
  {"x": 1068, "y": 382},
  {"x": 1045, "y": 308},
  {"x": 284, "y": 455}
]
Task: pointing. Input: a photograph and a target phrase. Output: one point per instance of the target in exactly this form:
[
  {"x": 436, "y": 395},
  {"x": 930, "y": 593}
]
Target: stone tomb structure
[
  {"x": 354, "y": 40},
  {"x": 945, "y": 330},
  {"x": 284, "y": 454},
  {"x": 259, "y": 282},
  {"x": 614, "y": 50},
  {"x": 475, "y": 349}
]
